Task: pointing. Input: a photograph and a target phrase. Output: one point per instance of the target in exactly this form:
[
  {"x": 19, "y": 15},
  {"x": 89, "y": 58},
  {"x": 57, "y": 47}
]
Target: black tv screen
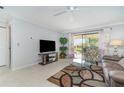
[{"x": 47, "y": 46}]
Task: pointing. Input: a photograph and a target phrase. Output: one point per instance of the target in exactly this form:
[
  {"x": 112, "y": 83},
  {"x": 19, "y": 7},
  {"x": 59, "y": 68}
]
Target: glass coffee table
[{"x": 81, "y": 63}]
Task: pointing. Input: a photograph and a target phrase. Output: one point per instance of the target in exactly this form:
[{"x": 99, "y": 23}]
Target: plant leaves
[{"x": 63, "y": 40}]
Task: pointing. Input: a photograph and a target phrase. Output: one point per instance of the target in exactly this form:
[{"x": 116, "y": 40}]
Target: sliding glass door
[
  {"x": 77, "y": 46},
  {"x": 83, "y": 41}
]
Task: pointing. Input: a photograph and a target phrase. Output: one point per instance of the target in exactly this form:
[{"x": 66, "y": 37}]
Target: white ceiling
[{"x": 88, "y": 16}]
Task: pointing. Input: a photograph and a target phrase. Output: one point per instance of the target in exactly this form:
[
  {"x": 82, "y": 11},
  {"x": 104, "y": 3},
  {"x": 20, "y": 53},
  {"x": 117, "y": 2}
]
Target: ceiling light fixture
[{"x": 67, "y": 10}]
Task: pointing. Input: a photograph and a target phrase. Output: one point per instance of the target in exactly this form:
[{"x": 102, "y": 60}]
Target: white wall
[
  {"x": 24, "y": 49},
  {"x": 118, "y": 33}
]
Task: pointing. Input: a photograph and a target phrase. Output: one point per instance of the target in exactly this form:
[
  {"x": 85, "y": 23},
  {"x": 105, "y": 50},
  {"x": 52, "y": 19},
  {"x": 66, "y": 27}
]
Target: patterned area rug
[{"x": 73, "y": 76}]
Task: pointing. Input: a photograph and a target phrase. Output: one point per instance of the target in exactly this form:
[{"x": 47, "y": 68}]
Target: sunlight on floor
[{"x": 79, "y": 61}]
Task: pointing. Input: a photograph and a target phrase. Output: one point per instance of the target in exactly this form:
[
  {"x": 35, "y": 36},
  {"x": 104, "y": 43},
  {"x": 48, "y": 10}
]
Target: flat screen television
[{"x": 47, "y": 46}]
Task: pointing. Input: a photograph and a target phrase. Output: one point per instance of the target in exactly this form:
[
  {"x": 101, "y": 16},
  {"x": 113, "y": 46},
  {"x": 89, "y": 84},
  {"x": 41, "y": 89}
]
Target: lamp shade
[{"x": 116, "y": 42}]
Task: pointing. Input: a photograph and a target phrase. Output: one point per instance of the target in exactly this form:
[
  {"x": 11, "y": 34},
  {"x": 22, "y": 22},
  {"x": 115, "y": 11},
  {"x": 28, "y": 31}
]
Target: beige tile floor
[{"x": 34, "y": 76}]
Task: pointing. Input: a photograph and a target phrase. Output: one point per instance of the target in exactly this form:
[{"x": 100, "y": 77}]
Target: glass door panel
[
  {"x": 81, "y": 42},
  {"x": 77, "y": 46},
  {"x": 90, "y": 40}
]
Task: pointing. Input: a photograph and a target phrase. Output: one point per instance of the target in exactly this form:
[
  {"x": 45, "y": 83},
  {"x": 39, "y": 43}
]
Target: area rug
[{"x": 74, "y": 76}]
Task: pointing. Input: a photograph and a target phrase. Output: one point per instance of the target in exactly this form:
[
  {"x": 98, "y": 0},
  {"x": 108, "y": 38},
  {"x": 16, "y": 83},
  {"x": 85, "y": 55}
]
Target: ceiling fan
[{"x": 70, "y": 9}]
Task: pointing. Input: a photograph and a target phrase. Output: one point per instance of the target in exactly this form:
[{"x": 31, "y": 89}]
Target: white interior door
[{"x": 3, "y": 47}]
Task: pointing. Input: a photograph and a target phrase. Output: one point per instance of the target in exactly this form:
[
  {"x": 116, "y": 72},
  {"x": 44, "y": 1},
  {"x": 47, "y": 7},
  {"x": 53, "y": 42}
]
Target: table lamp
[{"x": 116, "y": 43}]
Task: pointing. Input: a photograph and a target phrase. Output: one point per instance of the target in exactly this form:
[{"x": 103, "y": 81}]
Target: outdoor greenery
[{"x": 90, "y": 42}]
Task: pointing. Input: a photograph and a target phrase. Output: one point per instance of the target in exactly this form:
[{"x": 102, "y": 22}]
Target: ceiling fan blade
[
  {"x": 60, "y": 13},
  {"x": 72, "y": 8},
  {"x": 1, "y": 7}
]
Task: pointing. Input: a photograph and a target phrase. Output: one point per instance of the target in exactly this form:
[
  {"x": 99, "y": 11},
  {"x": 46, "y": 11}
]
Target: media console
[{"x": 48, "y": 57}]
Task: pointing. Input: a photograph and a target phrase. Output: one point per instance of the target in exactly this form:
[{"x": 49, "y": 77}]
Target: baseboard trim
[{"x": 25, "y": 66}]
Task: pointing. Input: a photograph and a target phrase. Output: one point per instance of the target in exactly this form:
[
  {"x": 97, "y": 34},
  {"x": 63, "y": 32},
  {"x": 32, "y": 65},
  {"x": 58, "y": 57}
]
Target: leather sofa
[{"x": 114, "y": 72}]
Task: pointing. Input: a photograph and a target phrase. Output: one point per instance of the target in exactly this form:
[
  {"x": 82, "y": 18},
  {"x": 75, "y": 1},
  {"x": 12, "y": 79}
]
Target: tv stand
[{"x": 48, "y": 57}]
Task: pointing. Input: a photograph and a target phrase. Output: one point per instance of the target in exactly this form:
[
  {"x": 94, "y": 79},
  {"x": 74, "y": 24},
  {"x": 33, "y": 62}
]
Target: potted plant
[{"x": 63, "y": 48}]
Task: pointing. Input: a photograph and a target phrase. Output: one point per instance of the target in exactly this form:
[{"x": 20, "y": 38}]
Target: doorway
[{"x": 4, "y": 49}]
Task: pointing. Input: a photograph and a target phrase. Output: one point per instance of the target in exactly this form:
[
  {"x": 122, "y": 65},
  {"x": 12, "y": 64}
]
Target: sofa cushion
[
  {"x": 107, "y": 70},
  {"x": 114, "y": 66},
  {"x": 117, "y": 76},
  {"x": 121, "y": 62}
]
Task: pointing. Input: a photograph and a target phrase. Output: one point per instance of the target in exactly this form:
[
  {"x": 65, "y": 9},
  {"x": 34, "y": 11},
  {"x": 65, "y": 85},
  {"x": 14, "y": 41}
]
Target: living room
[{"x": 62, "y": 46}]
